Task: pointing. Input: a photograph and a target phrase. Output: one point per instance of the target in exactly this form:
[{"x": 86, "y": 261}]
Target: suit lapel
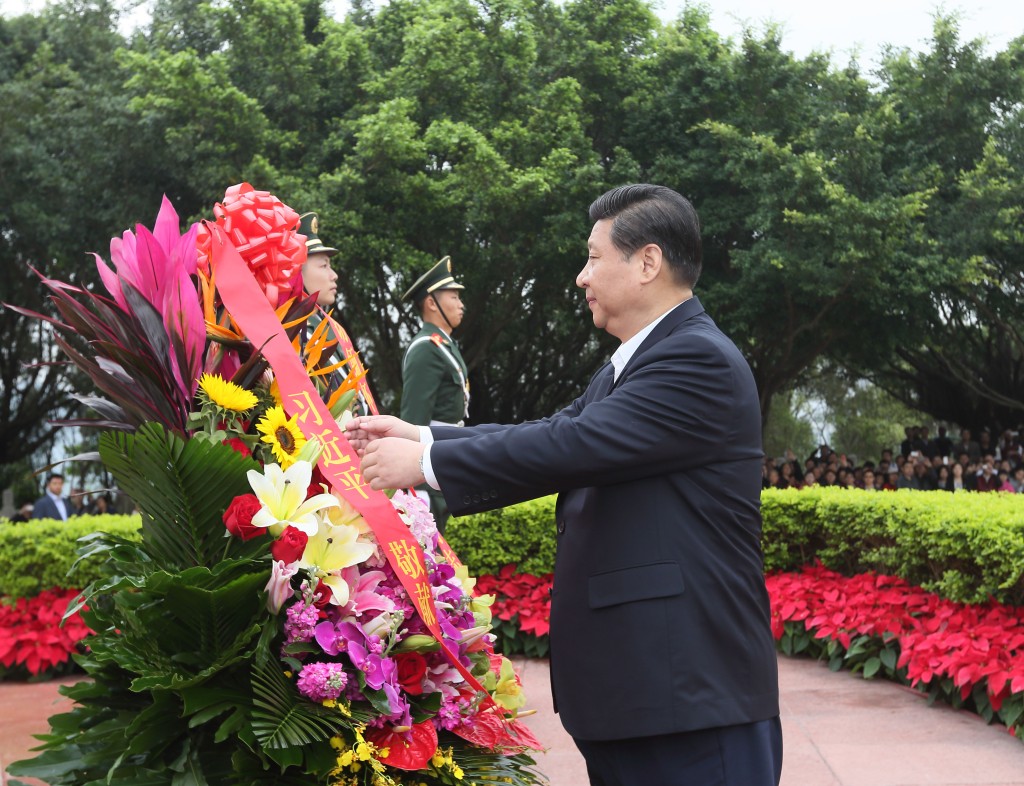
[{"x": 679, "y": 315}]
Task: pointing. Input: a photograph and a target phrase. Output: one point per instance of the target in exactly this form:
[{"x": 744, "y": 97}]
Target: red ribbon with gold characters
[{"x": 251, "y": 311}]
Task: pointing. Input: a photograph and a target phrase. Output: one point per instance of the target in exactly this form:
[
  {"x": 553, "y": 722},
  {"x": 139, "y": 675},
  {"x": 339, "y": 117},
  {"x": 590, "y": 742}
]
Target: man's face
[
  {"x": 610, "y": 282},
  {"x": 319, "y": 276},
  {"x": 55, "y": 486},
  {"x": 451, "y": 301}
]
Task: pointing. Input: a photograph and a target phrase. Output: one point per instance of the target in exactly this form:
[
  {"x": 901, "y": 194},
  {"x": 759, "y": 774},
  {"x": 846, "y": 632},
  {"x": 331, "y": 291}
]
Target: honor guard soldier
[
  {"x": 318, "y": 276},
  {"x": 435, "y": 380}
]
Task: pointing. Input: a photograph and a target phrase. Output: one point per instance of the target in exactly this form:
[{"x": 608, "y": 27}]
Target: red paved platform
[{"x": 840, "y": 730}]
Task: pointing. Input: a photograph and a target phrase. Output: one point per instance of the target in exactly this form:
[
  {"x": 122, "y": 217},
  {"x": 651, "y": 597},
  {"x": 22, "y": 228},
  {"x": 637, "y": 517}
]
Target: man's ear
[{"x": 652, "y": 261}]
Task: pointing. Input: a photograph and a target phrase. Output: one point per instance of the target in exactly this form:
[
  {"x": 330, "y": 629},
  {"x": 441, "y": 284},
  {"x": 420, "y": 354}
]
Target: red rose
[
  {"x": 322, "y": 595},
  {"x": 238, "y": 446},
  {"x": 290, "y": 545},
  {"x": 238, "y": 517},
  {"x": 412, "y": 668},
  {"x": 317, "y": 483}
]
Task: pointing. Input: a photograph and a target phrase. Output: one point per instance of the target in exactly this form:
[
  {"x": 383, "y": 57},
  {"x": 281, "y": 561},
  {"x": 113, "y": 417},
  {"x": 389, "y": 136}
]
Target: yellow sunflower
[
  {"x": 282, "y": 434},
  {"x": 275, "y": 392},
  {"x": 227, "y": 395}
]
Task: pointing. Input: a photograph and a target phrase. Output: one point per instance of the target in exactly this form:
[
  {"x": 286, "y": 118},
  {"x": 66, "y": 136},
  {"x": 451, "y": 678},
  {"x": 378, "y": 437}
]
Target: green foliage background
[
  {"x": 965, "y": 546},
  {"x": 868, "y": 221}
]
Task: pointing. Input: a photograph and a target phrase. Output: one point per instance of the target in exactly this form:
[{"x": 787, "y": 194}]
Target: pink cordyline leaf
[{"x": 160, "y": 265}]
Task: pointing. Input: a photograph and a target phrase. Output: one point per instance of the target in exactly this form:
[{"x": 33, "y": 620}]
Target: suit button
[
  {"x": 466, "y": 500},
  {"x": 494, "y": 493},
  {"x": 561, "y": 526},
  {"x": 476, "y": 499}
]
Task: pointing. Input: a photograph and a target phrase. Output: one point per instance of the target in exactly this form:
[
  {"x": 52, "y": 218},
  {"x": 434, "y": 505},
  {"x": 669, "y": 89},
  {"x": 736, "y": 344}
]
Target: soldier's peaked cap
[
  {"x": 434, "y": 280},
  {"x": 309, "y": 225}
]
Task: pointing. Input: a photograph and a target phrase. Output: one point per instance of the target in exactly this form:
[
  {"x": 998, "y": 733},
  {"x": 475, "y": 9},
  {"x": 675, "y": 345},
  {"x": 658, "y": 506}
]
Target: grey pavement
[{"x": 839, "y": 730}]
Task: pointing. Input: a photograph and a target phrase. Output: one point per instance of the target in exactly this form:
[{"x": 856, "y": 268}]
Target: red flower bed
[
  {"x": 520, "y": 595},
  {"x": 970, "y": 655},
  {"x": 32, "y": 637}
]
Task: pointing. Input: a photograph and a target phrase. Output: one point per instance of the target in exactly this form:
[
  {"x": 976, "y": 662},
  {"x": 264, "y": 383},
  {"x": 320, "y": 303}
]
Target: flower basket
[{"x": 278, "y": 622}]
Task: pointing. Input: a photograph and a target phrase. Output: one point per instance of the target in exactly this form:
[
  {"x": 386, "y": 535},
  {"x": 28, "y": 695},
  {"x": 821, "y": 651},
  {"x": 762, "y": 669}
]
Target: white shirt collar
[{"x": 628, "y": 348}]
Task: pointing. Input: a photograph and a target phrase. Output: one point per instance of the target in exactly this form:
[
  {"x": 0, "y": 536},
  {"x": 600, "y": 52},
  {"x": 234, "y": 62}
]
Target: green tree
[
  {"x": 61, "y": 181},
  {"x": 958, "y": 132},
  {"x": 805, "y": 243},
  {"x": 485, "y": 154}
]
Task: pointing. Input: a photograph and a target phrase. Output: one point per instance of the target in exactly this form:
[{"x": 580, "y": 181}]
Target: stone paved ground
[{"x": 840, "y": 730}]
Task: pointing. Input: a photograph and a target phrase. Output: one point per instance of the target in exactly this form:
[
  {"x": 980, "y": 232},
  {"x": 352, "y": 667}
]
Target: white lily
[
  {"x": 329, "y": 550},
  {"x": 282, "y": 494}
]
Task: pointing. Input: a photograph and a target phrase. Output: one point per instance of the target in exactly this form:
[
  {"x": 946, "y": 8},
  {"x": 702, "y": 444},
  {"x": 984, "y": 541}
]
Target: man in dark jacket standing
[
  {"x": 663, "y": 665},
  {"x": 52, "y": 505}
]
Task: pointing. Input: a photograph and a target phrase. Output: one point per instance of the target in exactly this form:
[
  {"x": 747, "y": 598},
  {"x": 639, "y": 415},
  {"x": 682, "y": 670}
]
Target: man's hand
[
  {"x": 390, "y": 463},
  {"x": 363, "y": 431}
]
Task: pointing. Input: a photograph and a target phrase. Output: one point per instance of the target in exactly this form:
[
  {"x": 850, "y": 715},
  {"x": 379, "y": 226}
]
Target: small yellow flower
[
  {"x": 282, "y": 434},
  {"x": 227, "y": 395}
]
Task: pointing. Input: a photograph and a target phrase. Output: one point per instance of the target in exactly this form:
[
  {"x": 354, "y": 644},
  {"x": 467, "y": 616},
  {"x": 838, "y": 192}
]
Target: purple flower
[
  {"x": 322, "y": 681},
  {"x": 300, "y": 622},
  {"x": 377, "y": 670},
  {"x": 401, "y": 711},
  {"x": 328, "y": 635}
]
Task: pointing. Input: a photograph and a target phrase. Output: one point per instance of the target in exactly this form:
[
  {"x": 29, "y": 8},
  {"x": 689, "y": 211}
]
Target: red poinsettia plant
[
  {"x": 969, "y": 655},
  {"x": 32, "y": 639}
]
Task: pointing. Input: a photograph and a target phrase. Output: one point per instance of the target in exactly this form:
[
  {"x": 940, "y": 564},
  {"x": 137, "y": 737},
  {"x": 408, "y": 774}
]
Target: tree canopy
[{"x": 871, "y": 222}]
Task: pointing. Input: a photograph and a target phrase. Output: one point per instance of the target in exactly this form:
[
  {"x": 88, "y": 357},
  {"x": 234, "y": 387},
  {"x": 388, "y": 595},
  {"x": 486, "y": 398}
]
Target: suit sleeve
[
  {"x": 421, "y": 379},
  {"x": 691, "y": 402}
]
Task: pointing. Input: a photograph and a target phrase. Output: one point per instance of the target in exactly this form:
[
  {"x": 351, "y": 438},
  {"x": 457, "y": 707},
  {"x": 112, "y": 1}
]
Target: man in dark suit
[
  {"x": 663, "y": 666},
  {"x": 52, "y": 505}
]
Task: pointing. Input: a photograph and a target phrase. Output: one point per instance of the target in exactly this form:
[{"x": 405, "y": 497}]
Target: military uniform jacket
[
  {"x": 659, "y": 613},
  {"x": 434, "y": 379}
]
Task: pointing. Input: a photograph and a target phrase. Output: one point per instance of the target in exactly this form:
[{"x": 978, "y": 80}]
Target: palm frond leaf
[
  {"x": 281, "y": 718},
  {"x": 182, "y": 488}
]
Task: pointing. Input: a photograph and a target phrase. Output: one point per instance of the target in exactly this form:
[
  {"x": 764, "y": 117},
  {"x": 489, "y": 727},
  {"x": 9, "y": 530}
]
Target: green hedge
[
  {"x": 965, "y": 547},
  {"x": 38, "y": 555},
  {"x": 522, "y": 535}
]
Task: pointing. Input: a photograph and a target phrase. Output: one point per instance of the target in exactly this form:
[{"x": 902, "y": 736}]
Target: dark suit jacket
[
  {"x": 46, "y": 508},
  {"x": 659, "y": 613}
]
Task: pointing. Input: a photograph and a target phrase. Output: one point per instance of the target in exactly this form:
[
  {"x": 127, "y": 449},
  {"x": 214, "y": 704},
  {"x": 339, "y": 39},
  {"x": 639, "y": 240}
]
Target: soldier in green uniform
[
  {"x": 319, "y": 276},
  {"x": 435, "y": 380},
  {"x": 317, "y": 273}
]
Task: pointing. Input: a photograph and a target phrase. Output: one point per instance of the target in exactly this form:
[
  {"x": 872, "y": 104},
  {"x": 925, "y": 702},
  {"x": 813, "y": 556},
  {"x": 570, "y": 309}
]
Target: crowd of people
[{"x": 924, "y": 464}]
